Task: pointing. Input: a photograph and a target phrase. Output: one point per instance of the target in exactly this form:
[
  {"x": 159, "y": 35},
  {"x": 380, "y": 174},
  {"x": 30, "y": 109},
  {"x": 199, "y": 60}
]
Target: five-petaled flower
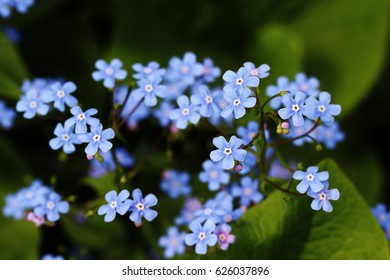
[
  {"x": 115, "y": 204},
  {"x": 109, "y": 72},
  {"x": 228, "y": 152},
  {"x": 311, "y": 179},
  {"x": 140, "y": 207},
  {"x": 201, "y": 236},
  {"x": 97, "y": 139},
  {"x": 322, "y": 197}
]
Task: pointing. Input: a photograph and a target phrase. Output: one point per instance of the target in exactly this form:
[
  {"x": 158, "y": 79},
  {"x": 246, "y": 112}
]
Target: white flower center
[
  {"x": 60, "y": 94},
  {"x": 304, "y": 87},
  {"x": 109, "y": 71},
  {"x": 148, "y": 88},
  {"x": 113, "y": 204},
  {"x": 222, "y": 237},
  {"x": 96, "y": 137},
  {"x": 228, "y": 151},
  {"x": 295, "y": 108},
  {"x": 239, "y": 81},
  {"x": 248, "y": 191},
  {"x": 147, "y": 70},
  {"x": 202, "y": 235},
  {"x": 140, "y": 206},
  {"x": 185, "y": 69},
  {"x": 214, "y": 174},
  {"x": 236, "y": 102},
  {"x": 208, "y": 211},
  {"x": 321, "y": 108},
  {"x": 65, "y": 137},
  {"x": 322, "y": 196},
  {"x": 50, "y": 205},
  {"x": 185, "y": 112},
  {"x": 310, "y": 177},
  {"x": 29, "y": 194},
  {"x": 254, "y": 72},
  {"x": 81, "y": 116},
  {"x": 208, "y": 99},
  {"x": 33, "y": 104},
  {"x": 173, "y": 242}
]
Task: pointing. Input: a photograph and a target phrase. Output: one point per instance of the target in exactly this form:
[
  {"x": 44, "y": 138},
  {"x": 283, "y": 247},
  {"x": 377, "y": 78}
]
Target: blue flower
[
  {"x": 81, "y": 119},
  {"x": 115, "y": 204},
  {"x": 214, "y": 210},
  {"x": 210, "y": 72},
  {"x": 109, "y": 72},
  {"x": 162, "y": 113},
  {"x": 7, "y": 115},
  {"x": 65, "y": 139},
  {"x": 201, "y": 236},
  {"x": 329, "y": 135},
  {"x": 14, "y": 206},
  {"x": 227, "y": 152},
  {"x": 173, "y": 242},
  {"x": 5, "y": 8},
  {"x": 52, "y": 257},
  {"x": 248, "y": 133},
  {"x": 52, "y": 207},
  {"x": 140, "y": 207},
  {"x": 187, "y": 212},
  {"x": 293, "y": 108},
  {"x": 261, "y": 72},
  {"x": 381, "y": 214},
  {"x": 237, "y": 102},
  {"x": 295, "y": 131},
  {"x": 61, "y": 95},
  {"x": 184, "y": 71},
  {"x": 175, "y": 183},
  {"x": 248, "y": 191},
  {"x": 22, "y": 5},
  {"x": 322, "y": 108},
  {"x": 311, "y": 179},
  {"x": 34, "y": 194},
  {"x": 148, "y": 89},
  {"x": 214, "y": 175},
  {"x": 206, "y": 100},
  {"x": 185, "y": 113},
  {"x": 153, "y": 68},
  {"x": 224, "y": 236},
  {"x": 322, "y": 197},
  {"x": 97, "y": 139},
  {"x": 31, "y": 104},
  {"x": 123, "y": 157},
  {"x": 240, "y": 80},
  {"x": 306, "y": 85},
  {"x": 282, "y": 85}
]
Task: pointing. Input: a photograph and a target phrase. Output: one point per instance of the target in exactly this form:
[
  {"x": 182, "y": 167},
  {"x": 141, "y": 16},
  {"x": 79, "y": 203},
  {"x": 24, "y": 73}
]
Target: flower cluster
[
  {"x": 139, "y": 206},
  {"x": 382, "y": 215},
  {"x": 21, "y": 6},
  {"x": 37, "y": 203}
]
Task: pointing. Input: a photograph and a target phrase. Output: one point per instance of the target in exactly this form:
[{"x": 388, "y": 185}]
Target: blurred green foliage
[{"x": 343, "y": 44}]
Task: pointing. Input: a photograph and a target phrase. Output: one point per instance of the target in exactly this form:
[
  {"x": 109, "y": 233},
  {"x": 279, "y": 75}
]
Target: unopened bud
[{"x": 238, "y": 168}]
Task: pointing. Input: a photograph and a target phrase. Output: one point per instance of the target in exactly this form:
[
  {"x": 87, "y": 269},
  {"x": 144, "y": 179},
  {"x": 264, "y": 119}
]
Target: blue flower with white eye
[
  {"x": 228, "y": 152},
  {"x": 22, "y": 5},
  {"x": 152, "y": 68},
  {"x": 240, "y": 80},
  {"x": 175, "y": 183},
  {"x": 14, "y": 206},
  {"x": 97, "y": 139},
  {"x": 261, "y": 72},
  {"x": 309, "y": 86},
  {"x": 237, "y": 102},
  {"x": 206, "y": 99},
  {"x": 201, "y": 236},
  {"x": 214, "y": 175},
  {"x": 329, "y": 135},
  {"x": 248, "y": 133},
  {"x": 282, "y": 85},
  {"x": 293, "y": 108},
  {"x": 65, "y": 138},
  {"x": 173, "y": 242},
  {"x": 322, "y": 108},
  {"x": 214, "y": 210},
  {"x": 210, "y": 72},
  {"x": 185, "y": 113},
  {"x": 115, "y": 204},
  {"x": 187, "y": 212},
  {"x": 296, "y": 131},
  {"x": 185, "y": 70},
  {"x": 322, "y": 197},
  {"x": 140, "y": 207},
  {"x": 109, "y": 72},
  {"x": 149, "y": 88},
  {"x": 81, "y": 119},
  {"x": 311, "y": 178},
  {"x": 162, "y": 113},
  {"x": 31, "y": 103},
  {"x": 61, "y": 95},
  {"x": 248, "y": 191},
  {"x": 52, "y": 206}
]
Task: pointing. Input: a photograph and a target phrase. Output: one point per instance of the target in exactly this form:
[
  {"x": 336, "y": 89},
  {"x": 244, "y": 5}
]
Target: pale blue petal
[
  {"x": 63, "y": 207},
  {"x": 333, "y": 194},
  {"x": 217, "y": 155},
  {"x": 239, "y": 112},
  {"x": 122, "y": 208},
  {"x": 104, "y": 146},
  {"x": 53, "y": 216},
  {"x": 55, "y": 143},
  {"x": 150, "y": 214},
  {"x": 316, "y": 204},
  {"x": 110, "y": 216},
  {"x": 211, "y": 240},
  {"x": 201, "y": 247},
  {"x": 110, "y": 196},
  {"x": 240, "y": 154},
  {"x": 326, "y": 206},
  {"x": 322, "y": 176},
  {"x": 302, "y": 187},
  {"x": 103, "y": 209},
  {"x": 316, "y": 186},
  {"x": 191, "y": 239},
  {"x": 108, "y": 133},
  {"x": 137, "y": 195},
  {"x": 92, "y": 148},
  {"x": 285, "y": 113},
  {"x": 123, "y": 195},
  {"x": 228, "y": 162}
]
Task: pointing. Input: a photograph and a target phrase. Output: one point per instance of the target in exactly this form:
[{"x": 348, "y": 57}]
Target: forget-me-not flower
[
  {"x": 186, "y": 112},
  {"x": 248, "y": 191},
  {"x": 261, "y": 71},
  {"x": 237, "y": 102},
  {"x": 322, "y": 197},
  {"x": 7, "y": 115},
  {"x": 240, "y": 80},
  {"x": 52, "y": 206},
  {"x": 81, "y": 119},
  {"x": 293, "y": 108},
  {"x": 173, "y": 242},
  {"x": 97, "y": 139},
  {"x": 311, "y": 178},
  {"x": 214, "y": 175},
  {"x": 65, "y": 138},
  {"x": 201, "y": 236},
  {"x": 31, "y": 103},
  {"x": 322, "y": 108},
  {"x": 140, "y": 207},
  {"x": 109, "y": 72},
  {"x": 149, "y": 88},
  {"x": 61, "y": 95},
  {"x": 115, "y": 204},
  {"x": 224, "y": 237},
  {"x": 227, "y": 152}
]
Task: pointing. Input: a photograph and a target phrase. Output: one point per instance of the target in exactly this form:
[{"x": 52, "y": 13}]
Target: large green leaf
[
  {"x": 280, "y": 228},
  {"x": 346, "y": 46},
  {"x": 12, "y": 69}
]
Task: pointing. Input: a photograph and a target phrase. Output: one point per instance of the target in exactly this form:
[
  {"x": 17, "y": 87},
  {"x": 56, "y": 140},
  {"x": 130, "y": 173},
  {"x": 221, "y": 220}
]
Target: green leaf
[
  {"x": 345, "y": 46},
  {"x": 280, "y": 228},
  {"x": 12, "y": 69}
]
